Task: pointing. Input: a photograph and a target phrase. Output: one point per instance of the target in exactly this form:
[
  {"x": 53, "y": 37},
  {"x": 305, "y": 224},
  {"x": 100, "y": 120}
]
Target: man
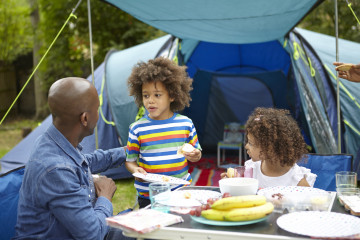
[
  {"x": 353, "y": 74},
  {"x": 57, "y": 197}
]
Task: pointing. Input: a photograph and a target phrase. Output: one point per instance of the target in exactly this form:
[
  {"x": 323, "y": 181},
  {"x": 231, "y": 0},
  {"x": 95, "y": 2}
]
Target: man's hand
[
  {"x": 193, "y": 156},
  {"x": 352, "y": 75},
  {"x": 105, "y": 187}
]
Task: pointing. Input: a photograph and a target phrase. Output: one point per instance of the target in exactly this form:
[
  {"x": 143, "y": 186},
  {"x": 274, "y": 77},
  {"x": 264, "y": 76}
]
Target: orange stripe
[
  {"x": 133, "y": 148},
  {"x": 163, "y": 138},
  {"x": 210, "y": 177}
]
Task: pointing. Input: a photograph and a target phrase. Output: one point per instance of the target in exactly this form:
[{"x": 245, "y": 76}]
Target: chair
[
  {"x": 10, "y": 184},
  {"x": 325, "y": 166},
  {"x": 233, "y": 140}
]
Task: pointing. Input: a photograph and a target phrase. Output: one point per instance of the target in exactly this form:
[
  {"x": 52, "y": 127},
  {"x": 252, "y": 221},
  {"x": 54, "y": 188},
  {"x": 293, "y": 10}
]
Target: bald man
[{"x": 57, "y": 197}]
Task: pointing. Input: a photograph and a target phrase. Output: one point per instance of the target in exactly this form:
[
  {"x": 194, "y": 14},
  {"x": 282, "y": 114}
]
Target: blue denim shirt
[{"x": 57, "y": 196}]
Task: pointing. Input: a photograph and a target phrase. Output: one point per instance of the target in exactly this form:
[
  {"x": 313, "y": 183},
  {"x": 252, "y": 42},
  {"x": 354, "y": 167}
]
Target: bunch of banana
[{"x": 241, "y": 208}]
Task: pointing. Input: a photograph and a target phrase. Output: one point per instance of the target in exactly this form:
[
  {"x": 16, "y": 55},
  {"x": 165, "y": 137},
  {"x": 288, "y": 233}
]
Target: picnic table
[{"x": 190, "y": 229}]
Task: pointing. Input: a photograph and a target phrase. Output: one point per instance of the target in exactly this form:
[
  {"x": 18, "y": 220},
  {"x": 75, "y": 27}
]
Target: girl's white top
[{"x": 291, "y": 178}]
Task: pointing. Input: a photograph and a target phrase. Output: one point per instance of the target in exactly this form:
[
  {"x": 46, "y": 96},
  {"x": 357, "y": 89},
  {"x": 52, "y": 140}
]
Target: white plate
[
  {"x": 320, "y": 224},
  {"x": 195, "y": 198},
  {"x": 150, "y": 177}
]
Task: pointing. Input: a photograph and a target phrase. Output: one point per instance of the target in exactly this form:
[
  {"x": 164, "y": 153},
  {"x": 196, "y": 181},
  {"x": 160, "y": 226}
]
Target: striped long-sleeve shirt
[{"x": 154, "y": 143}]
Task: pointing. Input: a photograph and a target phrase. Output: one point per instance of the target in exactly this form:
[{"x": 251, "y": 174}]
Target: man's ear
[{"x": 84, "y": 119}]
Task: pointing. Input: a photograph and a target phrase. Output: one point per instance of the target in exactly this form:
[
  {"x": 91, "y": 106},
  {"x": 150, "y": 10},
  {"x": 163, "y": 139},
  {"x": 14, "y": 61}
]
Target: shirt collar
[{"x": 65, "y": 145}]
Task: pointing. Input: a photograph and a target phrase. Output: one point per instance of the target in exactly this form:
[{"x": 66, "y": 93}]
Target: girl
[{"x": 275, "y": 144}]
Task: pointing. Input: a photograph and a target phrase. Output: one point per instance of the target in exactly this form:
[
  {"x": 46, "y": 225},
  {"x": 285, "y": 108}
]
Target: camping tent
[{"x": 240, "y": 56}]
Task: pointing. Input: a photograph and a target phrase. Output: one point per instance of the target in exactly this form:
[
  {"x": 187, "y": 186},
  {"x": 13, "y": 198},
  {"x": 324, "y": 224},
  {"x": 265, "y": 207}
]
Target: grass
[{"x": 11, "y": 132}]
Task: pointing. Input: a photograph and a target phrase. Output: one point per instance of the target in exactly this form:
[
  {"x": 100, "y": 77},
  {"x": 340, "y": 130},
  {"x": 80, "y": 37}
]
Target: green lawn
[{"x": 11, "y": 134}]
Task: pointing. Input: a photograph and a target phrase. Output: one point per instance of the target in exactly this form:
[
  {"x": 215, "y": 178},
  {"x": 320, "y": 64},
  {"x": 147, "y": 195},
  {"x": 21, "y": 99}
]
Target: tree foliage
[
  {"x": 70, "y": 56},
  {"x": 15, "y": 30},
  {"x": 322, "y": 19}
]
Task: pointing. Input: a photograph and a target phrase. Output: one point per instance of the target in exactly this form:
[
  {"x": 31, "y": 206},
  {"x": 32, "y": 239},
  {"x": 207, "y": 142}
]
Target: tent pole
[
  {"x": 337, "y": 78},
  {"x": 92, "y": 66}
]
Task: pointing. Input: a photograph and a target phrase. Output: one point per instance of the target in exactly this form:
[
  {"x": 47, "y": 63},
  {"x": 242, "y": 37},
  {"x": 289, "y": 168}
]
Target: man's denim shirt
[{"x": 57, "y": 196}]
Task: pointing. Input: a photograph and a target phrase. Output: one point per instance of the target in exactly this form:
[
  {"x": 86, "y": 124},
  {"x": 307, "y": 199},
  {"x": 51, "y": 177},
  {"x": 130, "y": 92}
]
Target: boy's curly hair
[
  {"x": 173, "y": 76},
  {"x": 277, "y": 135}
]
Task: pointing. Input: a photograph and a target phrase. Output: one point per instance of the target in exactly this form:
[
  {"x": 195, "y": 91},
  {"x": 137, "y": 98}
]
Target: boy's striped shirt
[{"x": 154, "y": 144}]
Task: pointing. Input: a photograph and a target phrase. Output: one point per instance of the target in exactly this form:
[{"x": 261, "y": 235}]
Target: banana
[
  {"x": 212, "y": 214},
  {"x": 238, "y": 202},
  {"x": 247, "y": 214}
]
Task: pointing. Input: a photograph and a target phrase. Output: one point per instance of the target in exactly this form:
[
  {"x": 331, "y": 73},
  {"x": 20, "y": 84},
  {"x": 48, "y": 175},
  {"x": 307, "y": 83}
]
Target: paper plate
[
  {"x": 191, "y": 198},
  {"x": 225, "y": 223},
  {"x": 150, "y": 177},
  {"x": 320, "y": 224}
]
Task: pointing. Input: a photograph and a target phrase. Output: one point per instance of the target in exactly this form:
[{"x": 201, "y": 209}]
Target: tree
[
  {"x": 322, "y": 20},
  {"x": 70, "y": 56},
  {"x": 15, "y": 33}
]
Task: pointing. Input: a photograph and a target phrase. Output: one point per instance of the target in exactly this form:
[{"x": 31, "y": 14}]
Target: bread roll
[
  {"x": 186, "y": 147},
  {"x": 344, "y": 67},
  {"x": 230, "y": 173}
]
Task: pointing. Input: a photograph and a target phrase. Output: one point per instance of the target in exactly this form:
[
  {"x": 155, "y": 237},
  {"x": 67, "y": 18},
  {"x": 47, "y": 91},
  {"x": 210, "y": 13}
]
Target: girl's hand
[
  {"x": 223, "y": 175},
  {"x": 193, "y": 156}
]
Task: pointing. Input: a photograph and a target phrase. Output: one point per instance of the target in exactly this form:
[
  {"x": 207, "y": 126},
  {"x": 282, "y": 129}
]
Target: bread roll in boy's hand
[{"x": 185, "y": 148}]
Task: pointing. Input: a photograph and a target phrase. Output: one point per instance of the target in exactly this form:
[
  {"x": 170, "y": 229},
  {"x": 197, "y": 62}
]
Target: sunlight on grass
[{"x": 125, "y": 195}]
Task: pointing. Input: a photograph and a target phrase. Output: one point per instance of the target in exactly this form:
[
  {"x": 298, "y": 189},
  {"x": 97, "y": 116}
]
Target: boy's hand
[
  {"x": 193, "y": 156},
  {"x": 139, "y": 170}
]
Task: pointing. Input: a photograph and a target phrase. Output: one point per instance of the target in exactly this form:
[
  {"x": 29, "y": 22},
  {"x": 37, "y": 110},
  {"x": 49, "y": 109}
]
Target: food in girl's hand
[
  {"x": 185, "y": 148},
  {"x": 230, "y": 173},
  {"x": 344, "y": 67}
]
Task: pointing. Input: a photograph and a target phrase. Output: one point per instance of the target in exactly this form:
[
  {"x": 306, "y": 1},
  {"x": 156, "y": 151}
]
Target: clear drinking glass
[
  {"x": 159, "y": 196},
  {"x": 242, "y": 171},
  {"x": 346, "y": 179}
]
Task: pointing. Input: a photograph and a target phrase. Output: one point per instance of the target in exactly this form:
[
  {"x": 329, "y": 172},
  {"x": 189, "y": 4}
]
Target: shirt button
[
  {"x": 91, "y": 190},
  {"x": 89, "y": 196}
]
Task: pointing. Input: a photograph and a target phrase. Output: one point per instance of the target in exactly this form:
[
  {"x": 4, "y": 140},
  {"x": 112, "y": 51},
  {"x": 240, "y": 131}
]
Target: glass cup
[
  {"x": 346, "y": 179},
  {"x": 239, "y": 171},
  {"x": 159, "y": 196},
  {"x": 243, "y": 172}
]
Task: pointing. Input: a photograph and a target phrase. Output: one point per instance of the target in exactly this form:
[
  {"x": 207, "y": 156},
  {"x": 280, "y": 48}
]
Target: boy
[{"x": 162, "y": 87}]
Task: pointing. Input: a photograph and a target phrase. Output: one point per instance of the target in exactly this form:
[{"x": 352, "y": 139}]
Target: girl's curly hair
[
  {"x": 173, "y": 76},
  {"x": 277, "y": 135}
]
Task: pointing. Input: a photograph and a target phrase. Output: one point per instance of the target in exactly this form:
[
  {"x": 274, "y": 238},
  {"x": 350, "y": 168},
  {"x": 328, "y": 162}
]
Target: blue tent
[
  {"x": 242, "y": 54},
  {"x": 107, "y": 136}
]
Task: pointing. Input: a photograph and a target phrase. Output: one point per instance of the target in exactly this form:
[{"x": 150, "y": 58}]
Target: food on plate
[
  {"x": 239, "y": 202},
  {"x": 187, "y": 195},
  {"x": 344, "y": 67},
  {"x": 230, "y": 173},
  {"x": 165, "y": 178},
  {"x": 250, "y": 213},
  {"x": 277, "y": 196},
  {"x": 213, "y": 214},
  {"x": 185, "y": 148},
  {"x": 243, "y": 208}
]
